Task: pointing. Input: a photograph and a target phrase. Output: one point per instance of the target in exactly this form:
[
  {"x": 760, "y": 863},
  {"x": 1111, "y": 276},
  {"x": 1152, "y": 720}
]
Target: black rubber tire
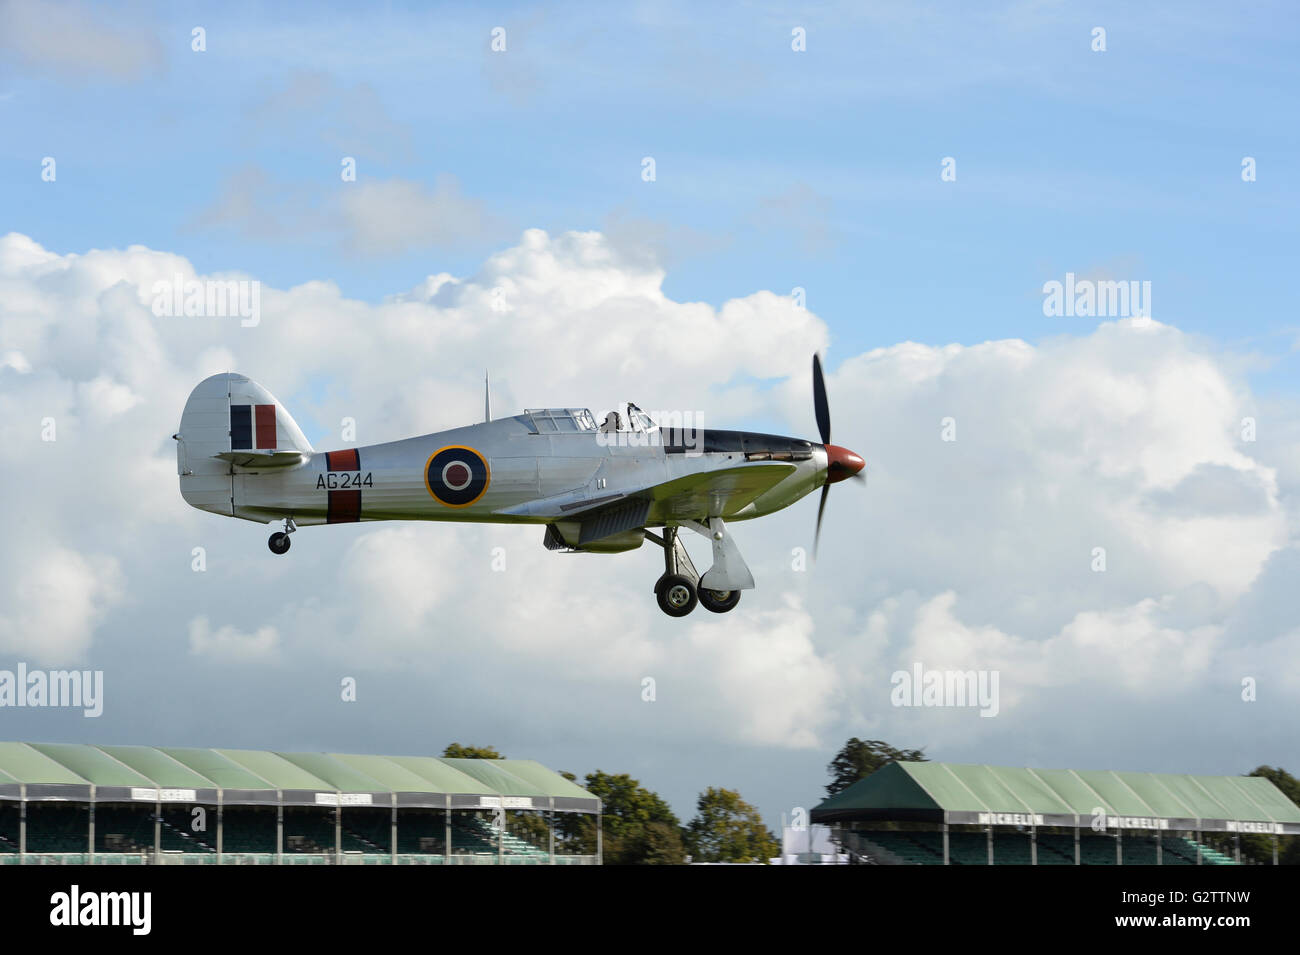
[
  {"x": 279, "y": 543},
  {"x": 718, "y": 601},
  {"x": 672, "y": 592}
]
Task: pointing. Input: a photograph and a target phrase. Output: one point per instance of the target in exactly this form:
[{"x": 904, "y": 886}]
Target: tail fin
[{"x": 232, "y": 420}]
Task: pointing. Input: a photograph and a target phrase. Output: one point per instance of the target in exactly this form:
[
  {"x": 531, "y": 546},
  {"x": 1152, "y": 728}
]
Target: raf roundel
[{"x": 456, "y": 476}]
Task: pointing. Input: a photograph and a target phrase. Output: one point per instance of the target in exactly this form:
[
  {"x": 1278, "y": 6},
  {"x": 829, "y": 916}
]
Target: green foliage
[
  {"x": 457, "y": 751},
  {"x": 728, "y": 829},
  {"x": 639, "y": 828},
  {"x": 860, "y": 758},
  {"x": 529, "y": 826}
]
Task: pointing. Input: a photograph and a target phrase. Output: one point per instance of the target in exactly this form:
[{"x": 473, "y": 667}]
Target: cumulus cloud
[{"x": 973, "y": 553}]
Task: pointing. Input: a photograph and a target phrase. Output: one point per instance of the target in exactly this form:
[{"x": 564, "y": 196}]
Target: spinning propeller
[{"x": 841, "y": 463}]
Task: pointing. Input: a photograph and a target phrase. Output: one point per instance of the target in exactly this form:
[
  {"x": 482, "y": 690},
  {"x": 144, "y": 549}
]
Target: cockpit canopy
[
  {"x": 560, "y": 420},
  {"x": 577, "y": 420}
]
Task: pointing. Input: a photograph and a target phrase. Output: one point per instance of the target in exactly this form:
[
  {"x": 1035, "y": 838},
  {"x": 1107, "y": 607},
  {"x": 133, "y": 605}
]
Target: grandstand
[
  {"x": 953, "y": 814},
  {"x": 73, "y": 803}
]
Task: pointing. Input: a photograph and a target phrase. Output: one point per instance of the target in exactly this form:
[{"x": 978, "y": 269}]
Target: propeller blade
[
  {"x": 821, "y": 509},
  {"x": 820, "y": 405}
]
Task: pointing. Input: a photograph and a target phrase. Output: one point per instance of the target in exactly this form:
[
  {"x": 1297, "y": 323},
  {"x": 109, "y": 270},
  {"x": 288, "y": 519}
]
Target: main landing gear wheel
[
  {"x": 718, "y": 601},
  {"x": 279, "y": 543},
  {"x": 676, "y": 595}
]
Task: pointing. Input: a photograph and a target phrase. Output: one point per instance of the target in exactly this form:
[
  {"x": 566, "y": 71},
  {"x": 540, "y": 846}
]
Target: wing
[{"x": 719, "y": 493}]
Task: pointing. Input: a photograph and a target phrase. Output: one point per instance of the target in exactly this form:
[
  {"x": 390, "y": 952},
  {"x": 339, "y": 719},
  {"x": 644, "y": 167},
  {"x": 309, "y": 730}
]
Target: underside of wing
[
  {"x": 720, "y": 493},
  {"x": 696, "y": 497}
]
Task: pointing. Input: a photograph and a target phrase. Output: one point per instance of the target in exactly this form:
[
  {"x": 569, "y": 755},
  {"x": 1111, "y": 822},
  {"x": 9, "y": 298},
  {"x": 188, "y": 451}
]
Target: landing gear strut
[
  {"x": 676, "y": 589},
  {"x": 680, "y": 588},
  {"x": 279, "y": 541}
]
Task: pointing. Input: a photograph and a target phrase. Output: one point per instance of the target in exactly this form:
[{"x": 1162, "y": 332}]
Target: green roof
[
  {"x": 935, "y": 790},
  {"x": 27, "y": 765},
  {"x": 158, "y": 767},
  {"x": 145, "y": 767}
]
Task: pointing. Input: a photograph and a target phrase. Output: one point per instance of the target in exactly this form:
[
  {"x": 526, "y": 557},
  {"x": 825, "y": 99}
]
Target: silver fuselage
[{"x": 530, "y": 475}]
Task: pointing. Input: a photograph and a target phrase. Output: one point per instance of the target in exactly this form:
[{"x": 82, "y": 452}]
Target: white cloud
[
  {"x": 973, "y": 554},
  {"x": 52, "y": 598},
  {"x": 229, "y": 644}
]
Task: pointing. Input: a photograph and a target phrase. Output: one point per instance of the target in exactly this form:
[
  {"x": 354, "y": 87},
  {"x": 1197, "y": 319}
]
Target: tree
[
  {"x": 457, "y": 751},
  {"x": 728, "y": 829},
  {"x": 860, "y": 758},
  {"x": 638, "y": 827}
]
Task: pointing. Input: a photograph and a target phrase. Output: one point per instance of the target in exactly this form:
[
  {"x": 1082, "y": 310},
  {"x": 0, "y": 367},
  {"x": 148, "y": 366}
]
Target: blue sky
[{"x": 774, "y": 170}]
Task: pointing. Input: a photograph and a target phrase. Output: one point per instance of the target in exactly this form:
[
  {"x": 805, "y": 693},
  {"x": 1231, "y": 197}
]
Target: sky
[{"x": 896, "y": 194}]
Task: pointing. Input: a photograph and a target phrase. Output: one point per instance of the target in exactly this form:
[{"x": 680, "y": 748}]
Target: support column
[
  {"x": 990, "y": 832},
  {"x": 1275, "y": 848},
  {"x": 1160, "y": 857},
  {"x": 946, "y": 857},
  {"x": 91, "y": 831},
  {"x": 279, "y": 827},
  {"x": 1236, "y": 847},
  {"x": 446, "y": 820},
  {"x": 22, "y": 824},
  {"x": 600, "y": 844},
  {"x": 157, "y": 830},
  {"x": 392, "y": 835},
  {"x": 1033, "y": 845},
  {"x": 550, "y": 832},
  {"x": 501, "y": 836},
  {"x": 221, "y": 833},
  {"x": 1198, "y": 847},
  {"x": 338, "y": 831},
  {"x": 1077, "y": 860},
  {"x": 1119, "y": 846}
]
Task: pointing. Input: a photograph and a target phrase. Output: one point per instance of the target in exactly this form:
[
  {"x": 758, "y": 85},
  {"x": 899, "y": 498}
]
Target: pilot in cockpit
[{"x": 613, "y": 423}]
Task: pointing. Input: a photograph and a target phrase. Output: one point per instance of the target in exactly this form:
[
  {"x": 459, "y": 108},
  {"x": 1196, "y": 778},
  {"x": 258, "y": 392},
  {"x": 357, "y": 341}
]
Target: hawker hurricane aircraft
[{"x": 594, "y": 488}]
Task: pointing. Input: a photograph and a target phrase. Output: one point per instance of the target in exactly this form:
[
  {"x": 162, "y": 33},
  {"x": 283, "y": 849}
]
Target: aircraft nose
[{"x": 841, "y": 463}]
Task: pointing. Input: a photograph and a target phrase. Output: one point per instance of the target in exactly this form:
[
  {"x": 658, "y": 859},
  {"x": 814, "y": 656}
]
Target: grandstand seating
[
  {"x": 57, "y": 827},
  {"x": 9, "y": 825},
  {"x": 248, "y": 830},
  {"x": 123, "y": 828},
  {"x": 421, "y": 832},
  {"x": 178, "y": 834},
  {"x": 370, "y": 831},
  {"x": 925, "y": 847}
]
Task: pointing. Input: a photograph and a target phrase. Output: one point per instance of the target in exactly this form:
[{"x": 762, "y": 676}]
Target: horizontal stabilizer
[{"x": 264, "y": 460}]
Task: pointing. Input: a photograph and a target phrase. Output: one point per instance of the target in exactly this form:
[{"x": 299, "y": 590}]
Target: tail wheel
[
  {"x": 718, "y": 601},
  {"x": 676, "y": 595},
  {"x": 279, "y": 543}
]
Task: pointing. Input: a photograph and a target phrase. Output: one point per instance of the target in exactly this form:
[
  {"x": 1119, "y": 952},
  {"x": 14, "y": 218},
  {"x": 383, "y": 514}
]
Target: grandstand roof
[
  {"x": 232, "y": 776},
  {"x": 998, "y": 795}
]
